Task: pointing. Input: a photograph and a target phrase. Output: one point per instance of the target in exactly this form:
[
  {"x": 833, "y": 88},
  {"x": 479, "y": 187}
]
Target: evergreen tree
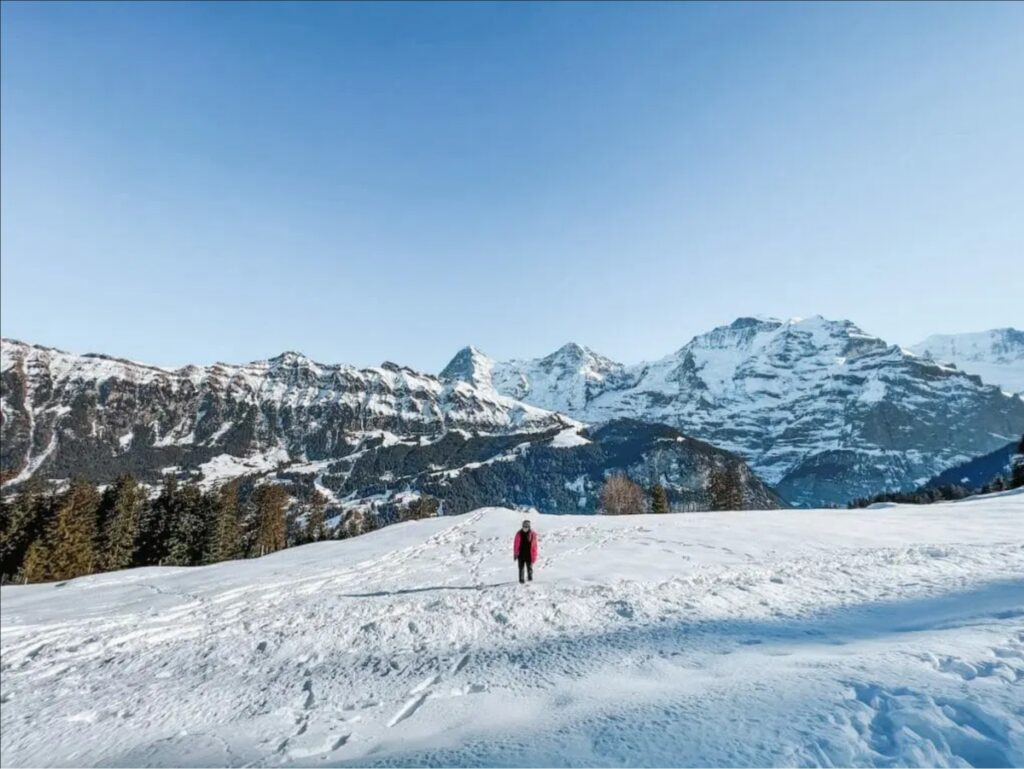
[
  {"x": 269, "y": 502},
  {"x": 210, "y": 502},
  {"x": 22, "y": 521},
  {"x": 104, "y": 512},
  {"x": 295, "y": 532},
  {"x": 316, "y": 525},
  {"x": 1017, "y": 466},
  {"x": 36, "y": 567},
  {"x": 227, "y": 541},
  {"x": 155, "y": 524},
  {"x": 659, "y": 498},
  {"x": 73, "y": 539},
  {"x": 127, "y": 501},
  {"x": 725, "y": 488},
  {"x": 422, "y": 507},
  {"x": 358, "y": 521},
  {"x": 370, "y": 522},
  {"x": 189, "y": 527}
]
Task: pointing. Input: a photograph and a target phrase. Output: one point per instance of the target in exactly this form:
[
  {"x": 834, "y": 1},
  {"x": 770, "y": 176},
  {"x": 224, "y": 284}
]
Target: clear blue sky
[{"x": 189, "y": 182}]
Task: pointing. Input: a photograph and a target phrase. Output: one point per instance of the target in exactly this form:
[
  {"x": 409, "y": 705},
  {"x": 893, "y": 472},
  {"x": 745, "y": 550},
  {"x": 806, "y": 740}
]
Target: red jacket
[{"x": 533, "y": 545}]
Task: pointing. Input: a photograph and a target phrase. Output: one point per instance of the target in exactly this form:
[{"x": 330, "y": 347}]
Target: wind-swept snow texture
[{"x": 881, "y": 637}]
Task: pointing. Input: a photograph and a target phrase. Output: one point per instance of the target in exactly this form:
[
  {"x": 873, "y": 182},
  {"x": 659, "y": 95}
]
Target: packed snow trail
[{"x": 884, "y": 637}]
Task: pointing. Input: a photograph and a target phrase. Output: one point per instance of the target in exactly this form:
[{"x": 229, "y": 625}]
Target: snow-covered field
[{"x": 890, "y": 636}]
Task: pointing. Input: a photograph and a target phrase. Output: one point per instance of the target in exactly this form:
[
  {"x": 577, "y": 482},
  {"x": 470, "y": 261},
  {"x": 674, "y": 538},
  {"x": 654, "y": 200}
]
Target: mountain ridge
[
  {"x": 819, "y": 407},
  {"x": 821, "y": 410},
  {"x": 365, "y": 438}
]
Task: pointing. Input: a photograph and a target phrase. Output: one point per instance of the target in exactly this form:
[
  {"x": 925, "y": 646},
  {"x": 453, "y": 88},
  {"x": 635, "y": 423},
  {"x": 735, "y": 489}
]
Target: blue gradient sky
[{"x": 189, "y": 183}]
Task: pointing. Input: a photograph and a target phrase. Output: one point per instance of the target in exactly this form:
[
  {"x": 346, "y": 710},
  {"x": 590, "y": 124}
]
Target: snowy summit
[{"x": 997, "y": 356}]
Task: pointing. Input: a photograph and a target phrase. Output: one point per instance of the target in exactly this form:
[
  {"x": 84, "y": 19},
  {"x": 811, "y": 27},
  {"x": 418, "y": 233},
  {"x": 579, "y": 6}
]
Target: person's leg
[
  {"x": 522, "y": 563},
  {"x": 529, "y": 570}
]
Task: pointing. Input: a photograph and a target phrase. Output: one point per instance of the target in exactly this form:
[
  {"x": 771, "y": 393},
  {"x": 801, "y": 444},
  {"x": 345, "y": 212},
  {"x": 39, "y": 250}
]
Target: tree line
[
  {"x": 1012, "y": 479},
  {"x": 621, "y": 496},
  {"x": 85, "y": 529},
  {"x": 46, "y": 535}
]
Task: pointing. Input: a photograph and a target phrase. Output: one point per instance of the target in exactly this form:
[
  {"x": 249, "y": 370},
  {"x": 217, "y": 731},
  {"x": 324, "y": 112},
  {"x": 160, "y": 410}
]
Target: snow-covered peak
[
  {"x": 563, "y": 381},
  {"x": 756, "y": 350},
  {"x": 997, "y": 355},
  {"x": 578, "y": 359},
  {"x": 570, "y": 351},
  {"x": 1002, "y": 343},
  {"x": 814, "y": 332},
  {"x": 817, "y": 405},
  {"x": 469, "y": 365},
  {"x": 290, "y": 358},
  {"x": 754, "y": 334}
]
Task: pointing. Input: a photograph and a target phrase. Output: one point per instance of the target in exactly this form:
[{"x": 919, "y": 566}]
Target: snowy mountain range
[
  {"x": 997, "y": 356},
  {"x": 362, "y": 437},
  {"x": 819, "y": 408}
]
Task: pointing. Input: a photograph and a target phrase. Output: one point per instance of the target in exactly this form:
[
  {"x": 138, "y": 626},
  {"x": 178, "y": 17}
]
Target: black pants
[{"x": 528, "y": 566}]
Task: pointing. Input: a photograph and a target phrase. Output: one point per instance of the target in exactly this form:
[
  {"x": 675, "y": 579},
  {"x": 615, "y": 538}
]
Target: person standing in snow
[{"x": 524, "y": 550}]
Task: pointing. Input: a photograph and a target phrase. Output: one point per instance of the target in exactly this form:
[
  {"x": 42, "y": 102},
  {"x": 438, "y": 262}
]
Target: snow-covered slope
[
  {"x": 997, "y": 356},
  {"x": 818, "y": 407},
  {"x": 887, "y": 637}
]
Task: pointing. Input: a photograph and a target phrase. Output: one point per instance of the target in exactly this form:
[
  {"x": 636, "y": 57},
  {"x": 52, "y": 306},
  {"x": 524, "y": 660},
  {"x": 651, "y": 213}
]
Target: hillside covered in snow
[
  {"x": 820, "y": 409},
  {"x": 882, "y": 637}
]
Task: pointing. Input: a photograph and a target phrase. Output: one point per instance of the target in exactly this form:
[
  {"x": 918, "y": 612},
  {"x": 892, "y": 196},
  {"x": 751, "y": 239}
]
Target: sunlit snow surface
[
  {"x": 892, "y": 636},
  {"x": 997, "y": 356}
]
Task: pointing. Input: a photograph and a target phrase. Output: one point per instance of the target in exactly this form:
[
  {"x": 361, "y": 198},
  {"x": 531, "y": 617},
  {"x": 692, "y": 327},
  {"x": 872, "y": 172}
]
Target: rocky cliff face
[
  {"x": 819, "y": 408},
  {"x": 361, "y": 436},
  {"x": 66, "y": 414}
]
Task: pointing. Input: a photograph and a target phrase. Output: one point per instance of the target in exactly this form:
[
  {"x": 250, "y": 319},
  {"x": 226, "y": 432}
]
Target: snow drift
[{"x": 879, "y": 637}]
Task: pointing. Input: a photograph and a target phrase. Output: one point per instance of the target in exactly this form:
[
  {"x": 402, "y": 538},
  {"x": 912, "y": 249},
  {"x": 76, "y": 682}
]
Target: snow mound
[{"x": 872, "y": 638}]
